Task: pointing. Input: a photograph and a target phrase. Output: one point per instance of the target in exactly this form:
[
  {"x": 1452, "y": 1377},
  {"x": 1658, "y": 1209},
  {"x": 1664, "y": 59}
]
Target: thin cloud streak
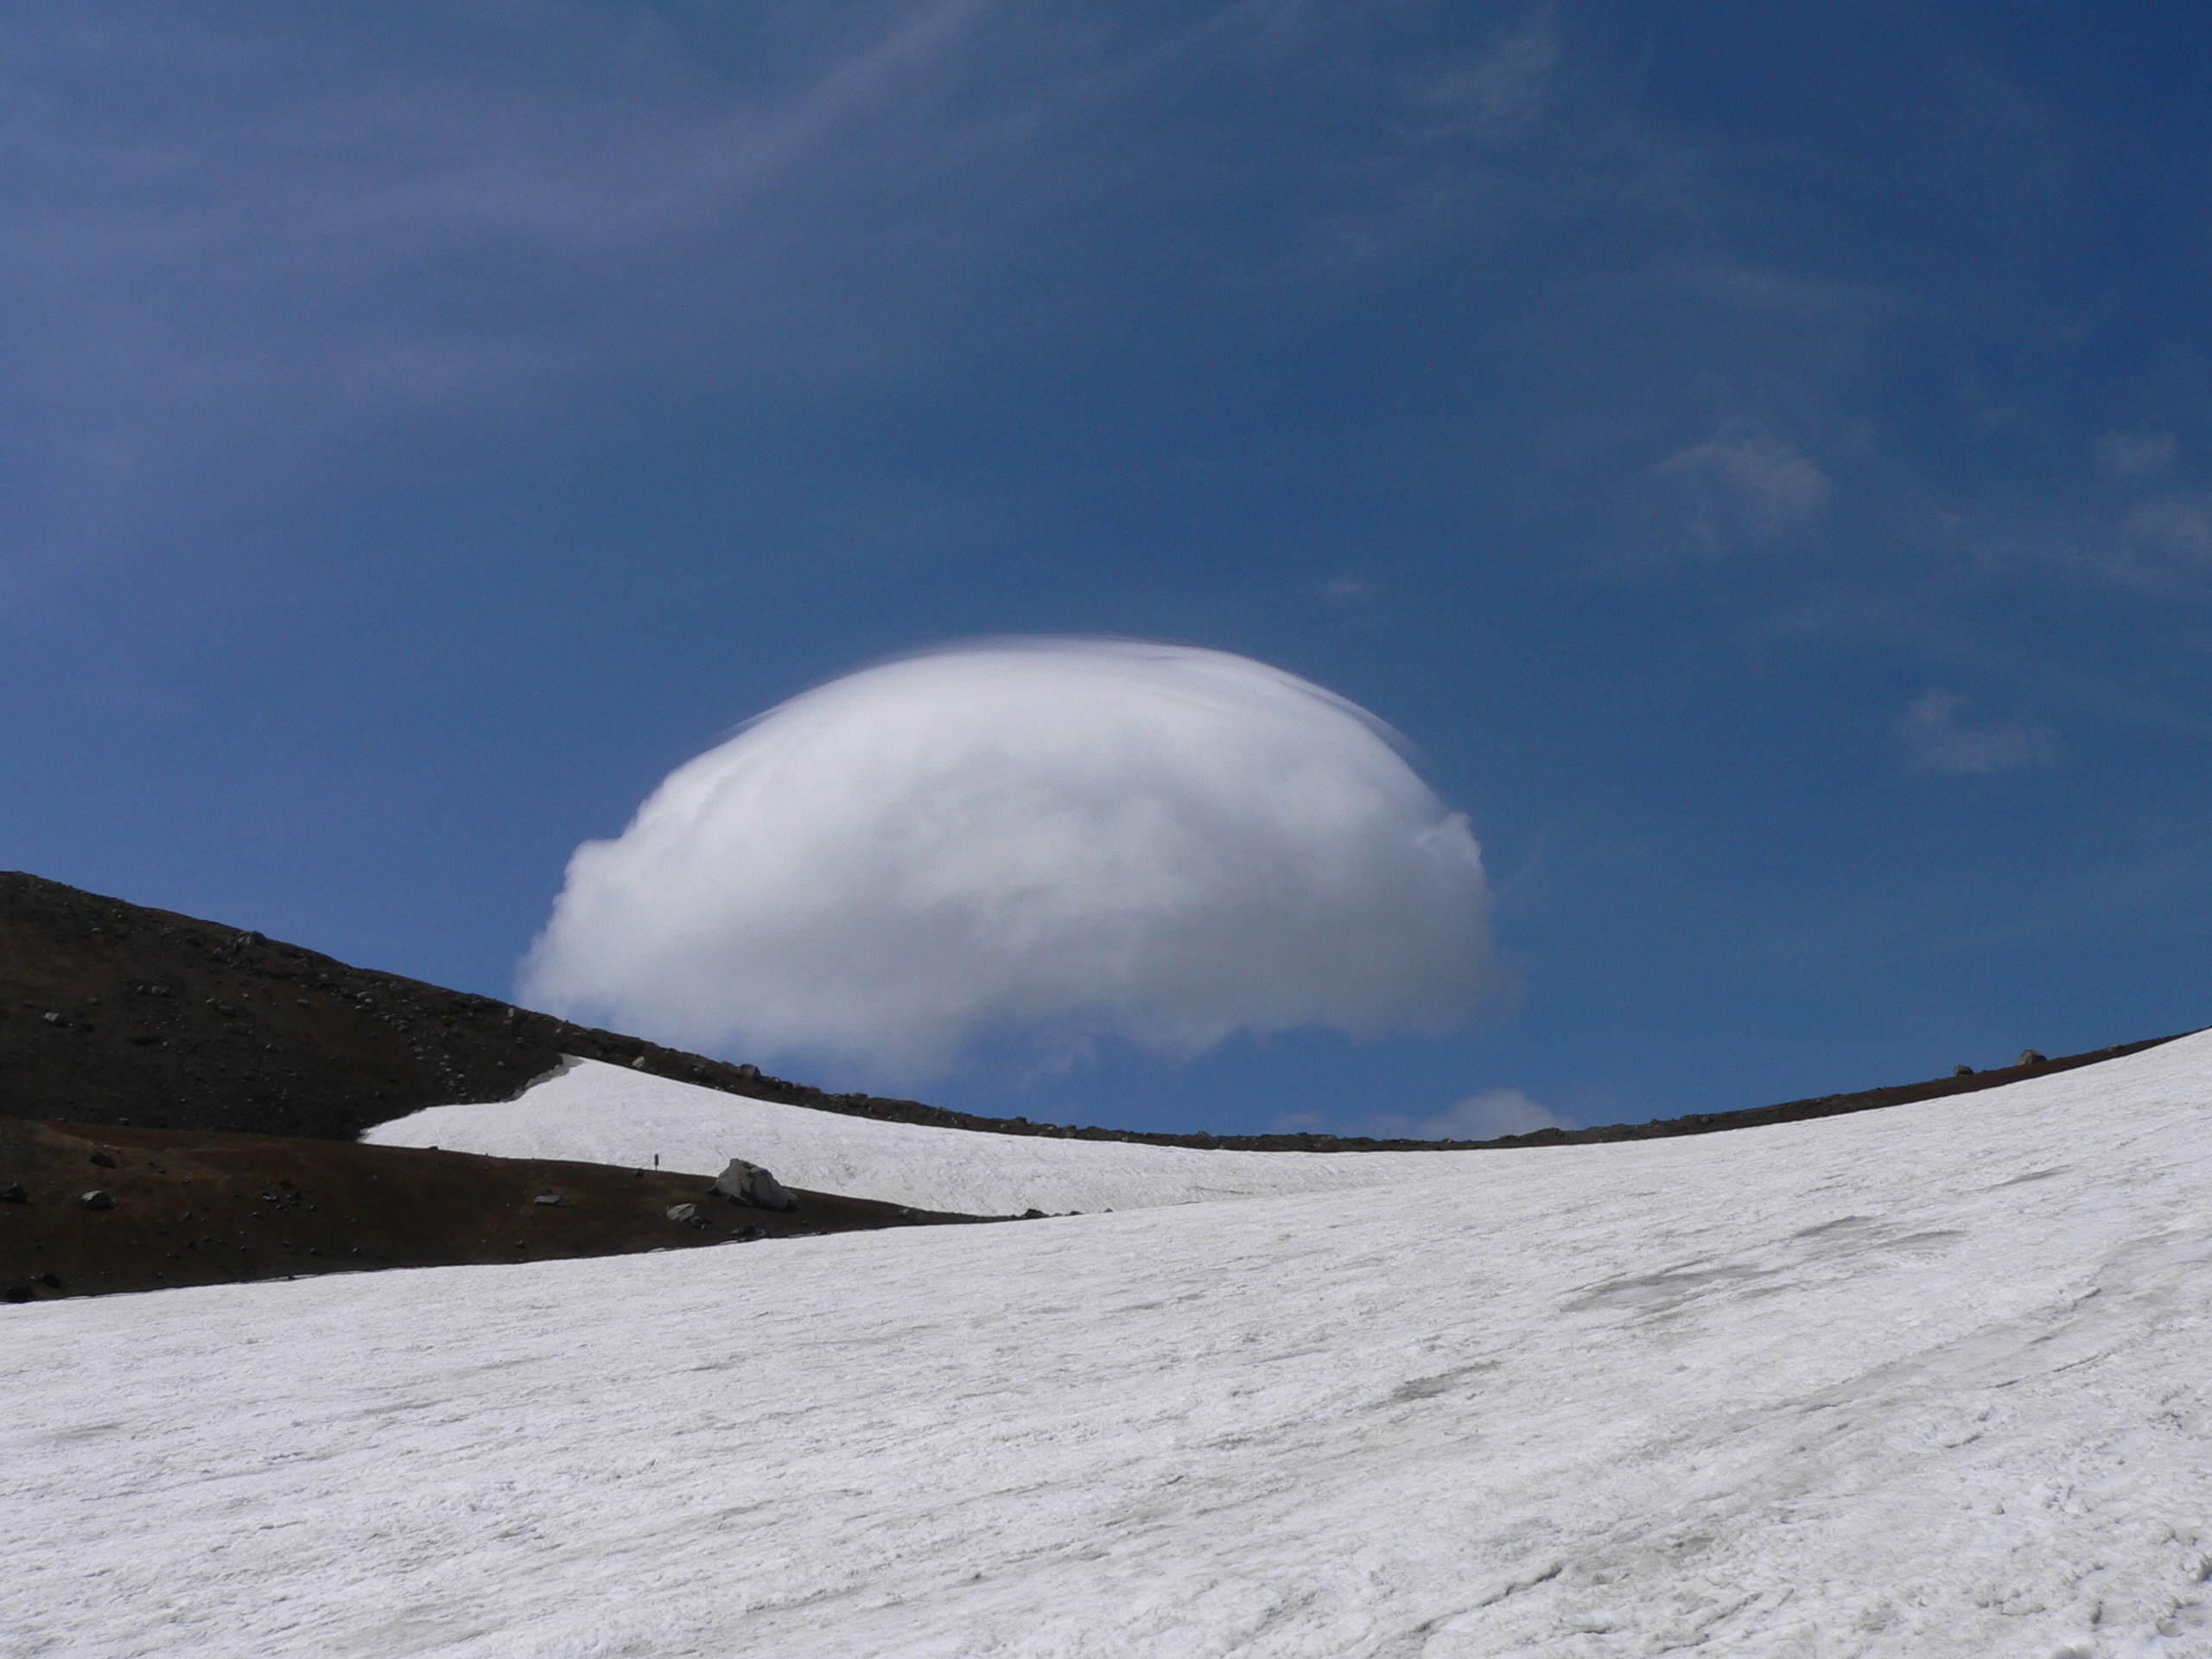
[
  {"x": 1754, "y": 487},
  {"x": 2130, "y": 454},
  {"x": 1485, "y": 1116},
  {"x": 201, "y": 300},
  {"x": 1936, "y": 740}
]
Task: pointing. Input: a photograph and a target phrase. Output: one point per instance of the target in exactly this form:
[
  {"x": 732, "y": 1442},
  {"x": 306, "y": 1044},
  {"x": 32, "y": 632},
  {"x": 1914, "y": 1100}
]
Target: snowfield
[
  {"x": 1932, "y": 1381},
  {"x": 600, "y": 1114}
]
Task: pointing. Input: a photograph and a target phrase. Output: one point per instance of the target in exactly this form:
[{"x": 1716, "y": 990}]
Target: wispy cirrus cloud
[
  {"x": 237, "y": 240},
  {"x": 1495, "y": 95},
  {"x": 2179, "y": 527},
  {"x": 2133, "y": 454},
  {"x": 1937, "y": 741},
  {"x": 232, "y": 240},
  {"x": 1753, "y": 488}
]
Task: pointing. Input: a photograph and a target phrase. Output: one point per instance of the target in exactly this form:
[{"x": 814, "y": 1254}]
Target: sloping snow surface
[
  {"x": 1926, "y": 1382},
  {"x": 600, "y": 1114}
]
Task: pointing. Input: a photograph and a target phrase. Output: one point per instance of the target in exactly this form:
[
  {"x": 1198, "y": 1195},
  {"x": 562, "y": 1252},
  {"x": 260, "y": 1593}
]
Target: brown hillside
[{"x": 181, "y": 1207}]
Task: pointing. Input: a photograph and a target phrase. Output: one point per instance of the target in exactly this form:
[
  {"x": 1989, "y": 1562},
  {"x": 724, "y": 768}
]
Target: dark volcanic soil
[
  {"x": 114, "y": 1013},
  {"x": 187, "y": 1208}
]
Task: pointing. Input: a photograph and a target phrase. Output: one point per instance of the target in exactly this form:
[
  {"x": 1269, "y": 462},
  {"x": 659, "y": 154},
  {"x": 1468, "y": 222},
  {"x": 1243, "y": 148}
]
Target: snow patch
[
  {"x": 1851, "y": 1387},
  {"x": 596, "y": 1113}
]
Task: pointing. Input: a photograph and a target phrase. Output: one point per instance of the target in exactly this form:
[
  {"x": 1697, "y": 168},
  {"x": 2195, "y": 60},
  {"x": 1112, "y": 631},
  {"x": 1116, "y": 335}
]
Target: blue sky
[{"x": 1757, "y": 455}]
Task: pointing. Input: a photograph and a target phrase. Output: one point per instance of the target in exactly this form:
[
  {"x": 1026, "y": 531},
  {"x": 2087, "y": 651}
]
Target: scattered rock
[
  {"x": 21, "y": 1293},
  {"x": 750, "y": 1183},
  {"x": 1032, "y": 1215},
  {"x": 97, "y": 1199},
  {"x": 1962, "y": 1070},
  {"x": 746, "y": 1235},
  {"x": 15, "y": 1193},
  {"x": 104, "y": 1161},
  {"x": 748, "y": 1072},
  {"x": 547, "y": 1197},
  {"x": 689, "y": 1214},
  {"x": 2029, "y": 1057}
]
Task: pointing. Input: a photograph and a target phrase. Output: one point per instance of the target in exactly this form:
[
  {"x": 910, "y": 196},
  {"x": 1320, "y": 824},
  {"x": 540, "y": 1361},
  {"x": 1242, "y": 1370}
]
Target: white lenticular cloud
[{"x": 1072, "y": 838}]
